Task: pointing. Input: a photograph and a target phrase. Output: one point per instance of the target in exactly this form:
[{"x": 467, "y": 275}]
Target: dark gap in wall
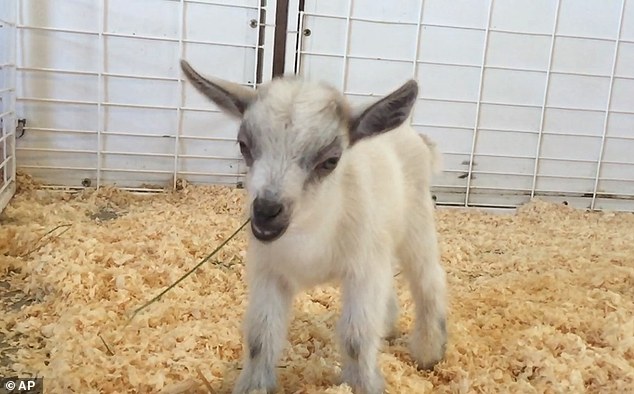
[{"x": 281, "y": 24}]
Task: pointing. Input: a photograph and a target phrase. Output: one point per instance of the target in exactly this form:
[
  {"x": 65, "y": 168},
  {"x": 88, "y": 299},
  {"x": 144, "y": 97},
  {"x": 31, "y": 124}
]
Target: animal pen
[{"x": 117, "y": 177}]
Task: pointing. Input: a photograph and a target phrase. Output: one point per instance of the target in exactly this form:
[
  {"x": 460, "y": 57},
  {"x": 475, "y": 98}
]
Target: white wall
[
  {"x": 100, "y": 85},
  {"x": 7, "y": 102},
  {"x": 523, "y": 97}
]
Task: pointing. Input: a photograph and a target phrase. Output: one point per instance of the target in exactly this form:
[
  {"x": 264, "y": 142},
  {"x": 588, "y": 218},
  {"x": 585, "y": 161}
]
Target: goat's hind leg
[{"x": 427, "y": 281}]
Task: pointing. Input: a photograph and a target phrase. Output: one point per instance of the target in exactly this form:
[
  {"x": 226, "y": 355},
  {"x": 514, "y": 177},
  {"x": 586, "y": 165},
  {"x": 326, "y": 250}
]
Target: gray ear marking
[
  {"x": 386, "y": 114},
  {"x": 231, "y": 97}
]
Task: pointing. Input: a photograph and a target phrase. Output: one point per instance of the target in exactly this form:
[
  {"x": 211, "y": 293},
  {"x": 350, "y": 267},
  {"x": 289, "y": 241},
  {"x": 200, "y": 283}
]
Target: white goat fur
[{"x": 372, "y": 213}]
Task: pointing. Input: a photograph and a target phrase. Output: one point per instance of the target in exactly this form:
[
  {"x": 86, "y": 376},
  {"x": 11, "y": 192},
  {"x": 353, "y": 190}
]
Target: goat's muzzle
[{"x": 269, "y": 219}]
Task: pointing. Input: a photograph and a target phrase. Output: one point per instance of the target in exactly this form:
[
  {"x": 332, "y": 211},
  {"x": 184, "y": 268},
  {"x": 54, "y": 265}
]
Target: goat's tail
[{"x": 436, "y": 156}]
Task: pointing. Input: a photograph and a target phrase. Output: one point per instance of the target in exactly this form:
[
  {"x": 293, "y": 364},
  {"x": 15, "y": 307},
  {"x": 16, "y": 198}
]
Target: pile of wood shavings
[{"x": 541, "y": 301}]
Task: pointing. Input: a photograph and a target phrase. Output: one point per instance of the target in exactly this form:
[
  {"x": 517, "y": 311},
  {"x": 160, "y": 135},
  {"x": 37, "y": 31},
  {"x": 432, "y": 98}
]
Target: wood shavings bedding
[{"x": 541, "y": 301}]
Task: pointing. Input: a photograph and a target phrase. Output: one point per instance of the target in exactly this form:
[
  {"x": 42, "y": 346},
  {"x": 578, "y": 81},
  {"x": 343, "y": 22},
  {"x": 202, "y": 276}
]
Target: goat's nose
[
  {"x": 269, "y": 219},
  {"x": 266, "y": 209}
]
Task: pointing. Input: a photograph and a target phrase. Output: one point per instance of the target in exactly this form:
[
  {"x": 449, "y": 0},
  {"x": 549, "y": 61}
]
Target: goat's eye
[
  {"x": 329, "y": 164},
  {"x": 246, "y": 153}
]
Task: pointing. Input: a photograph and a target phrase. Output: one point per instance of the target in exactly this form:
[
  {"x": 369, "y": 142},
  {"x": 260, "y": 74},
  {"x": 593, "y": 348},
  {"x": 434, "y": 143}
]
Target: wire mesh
[
  {"x": 525, "y": 99},
  {"x": 106, "y": 103}
]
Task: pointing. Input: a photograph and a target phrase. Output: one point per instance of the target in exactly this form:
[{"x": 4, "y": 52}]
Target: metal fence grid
[
  {"x": 100, "y": 86},
  {"x": 7, "y": 102},
  {"x": 525, "y": 98}
]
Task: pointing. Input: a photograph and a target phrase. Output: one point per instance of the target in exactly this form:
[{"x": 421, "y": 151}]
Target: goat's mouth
[{"x": 268, "y": 232}]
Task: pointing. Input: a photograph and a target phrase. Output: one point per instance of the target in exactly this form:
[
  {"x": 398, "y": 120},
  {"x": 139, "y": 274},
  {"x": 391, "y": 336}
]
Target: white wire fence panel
[
  {"x": 524, "y": 98},
  {"x": 7, "y": 101},
  {"x": 100, "y": 85}
]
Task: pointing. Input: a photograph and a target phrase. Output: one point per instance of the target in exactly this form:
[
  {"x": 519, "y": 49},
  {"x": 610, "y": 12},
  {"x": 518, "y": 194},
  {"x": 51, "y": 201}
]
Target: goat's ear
[
  {"x": 231, "y": 97},
  {"x": 386, "y": 114}
]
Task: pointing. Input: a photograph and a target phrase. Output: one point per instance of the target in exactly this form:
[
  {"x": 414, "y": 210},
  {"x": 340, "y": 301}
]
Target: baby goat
[{"x": 334, "y": 194}]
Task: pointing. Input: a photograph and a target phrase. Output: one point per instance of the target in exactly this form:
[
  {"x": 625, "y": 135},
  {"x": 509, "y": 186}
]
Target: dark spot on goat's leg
[
  {"x": 255, "y": 347},
  {"x": 353, "y": 348},
  {"x": 442, "y": 322}
]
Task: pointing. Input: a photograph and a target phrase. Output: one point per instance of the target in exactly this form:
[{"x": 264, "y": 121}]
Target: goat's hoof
[
  {"x": 427, "y": 367},
  {"x": 254, "y": 383},
  {"x": 364, "y": 389},
  {"x": 392, "y": 337},
  {"x": 428, "y": 351},
  {"x": 254, "y": 391},
  {"x": 428, "y": 360},
  {"x": 364, "y": 385},
  {"x": 427, "y": 355}
]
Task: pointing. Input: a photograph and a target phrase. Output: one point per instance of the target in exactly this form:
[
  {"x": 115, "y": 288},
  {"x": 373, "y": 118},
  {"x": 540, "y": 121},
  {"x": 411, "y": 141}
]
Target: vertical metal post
[
  {"x": 538, "y": 149},
  {"x": 477, "y": 117},
  {"x": 181, "y": 93},
  {"x": 300, "y": 32},
  {"x": 256, "y": 60},
  {"x": 607, "y": 108},
  {"x": 344, "y": 70},
  {"x": 417, "y": 40},
  {"x": 101, "y": 86}
]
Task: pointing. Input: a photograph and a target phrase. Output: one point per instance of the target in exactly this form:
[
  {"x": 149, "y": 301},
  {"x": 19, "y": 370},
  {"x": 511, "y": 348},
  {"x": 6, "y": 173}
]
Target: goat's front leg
[
  {"x": 265, "y": 328},
  {"x": 362, "y": 324}
]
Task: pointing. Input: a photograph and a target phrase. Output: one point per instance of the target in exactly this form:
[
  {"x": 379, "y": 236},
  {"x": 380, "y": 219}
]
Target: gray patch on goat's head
[{"x": 295, "y": 131}]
